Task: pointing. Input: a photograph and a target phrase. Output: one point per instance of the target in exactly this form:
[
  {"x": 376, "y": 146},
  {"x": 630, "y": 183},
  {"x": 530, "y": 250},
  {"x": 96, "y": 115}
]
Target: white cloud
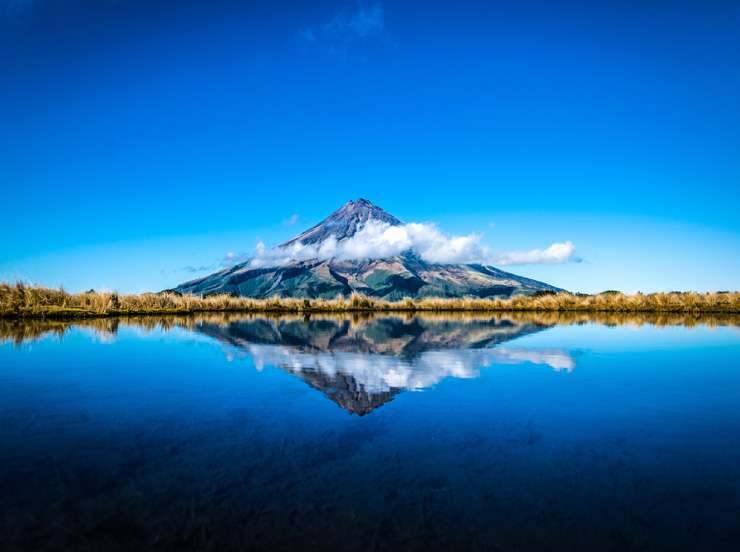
[
  {"x": 362, "y": 21},
  {"x": 291, "y": 220},
  {"x": 229, "y": 260},
  {"x": 556, "y": 253},
  {"x": 376, "y": 240},
  {"x": 349, "y": 32}
]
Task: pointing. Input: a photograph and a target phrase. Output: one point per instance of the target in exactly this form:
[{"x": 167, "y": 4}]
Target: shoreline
[
  {"x": 80, "y": 314},
  {"x": 25, "y": 302},
  {"x": 18, "y": 330}
]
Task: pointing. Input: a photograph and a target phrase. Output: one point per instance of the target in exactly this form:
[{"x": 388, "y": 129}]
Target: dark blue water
[{"x": 385, "y": 433}]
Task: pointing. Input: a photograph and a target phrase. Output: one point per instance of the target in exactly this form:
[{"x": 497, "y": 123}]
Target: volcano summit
[{"x": 328, "y": 260}]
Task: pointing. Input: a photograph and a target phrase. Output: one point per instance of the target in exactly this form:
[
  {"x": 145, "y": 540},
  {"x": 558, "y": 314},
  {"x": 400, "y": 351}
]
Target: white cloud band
[{"x": 377, "y": 240}]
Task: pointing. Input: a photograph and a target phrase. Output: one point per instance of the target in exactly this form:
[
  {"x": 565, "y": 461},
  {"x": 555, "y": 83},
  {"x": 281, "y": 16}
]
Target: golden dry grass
[{"x": 21, "y": 301}]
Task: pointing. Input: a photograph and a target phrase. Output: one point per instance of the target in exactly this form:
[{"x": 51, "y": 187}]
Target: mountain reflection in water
[
  {"x": 362, "y": 360},
  {"x": 361, "y": 366}
]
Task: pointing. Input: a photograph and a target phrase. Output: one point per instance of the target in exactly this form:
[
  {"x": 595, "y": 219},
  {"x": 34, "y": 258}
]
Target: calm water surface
[{"x": 422, "y": 433}]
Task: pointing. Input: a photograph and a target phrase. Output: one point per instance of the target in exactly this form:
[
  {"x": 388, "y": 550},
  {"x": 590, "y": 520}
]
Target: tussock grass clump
[{"x": 20, "y": 300}]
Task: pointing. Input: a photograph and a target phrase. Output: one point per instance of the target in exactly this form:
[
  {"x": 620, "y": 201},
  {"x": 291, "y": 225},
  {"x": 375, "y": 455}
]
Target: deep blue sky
[{"x": 142, "y": 137}]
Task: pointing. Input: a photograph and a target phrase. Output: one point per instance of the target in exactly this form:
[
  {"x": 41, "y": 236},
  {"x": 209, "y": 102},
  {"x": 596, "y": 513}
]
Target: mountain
[
  {"x": 344, "y": 223},
  {"x": 392, "y": 278}
]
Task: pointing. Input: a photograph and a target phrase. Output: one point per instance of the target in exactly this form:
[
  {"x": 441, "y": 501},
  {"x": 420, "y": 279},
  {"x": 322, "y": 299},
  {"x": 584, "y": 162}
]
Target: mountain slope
[{"x": 393, "y": 278}]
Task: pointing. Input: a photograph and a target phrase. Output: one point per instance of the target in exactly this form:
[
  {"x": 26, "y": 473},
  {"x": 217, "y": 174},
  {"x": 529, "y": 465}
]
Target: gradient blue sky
[{"x": 143, "y": 139}]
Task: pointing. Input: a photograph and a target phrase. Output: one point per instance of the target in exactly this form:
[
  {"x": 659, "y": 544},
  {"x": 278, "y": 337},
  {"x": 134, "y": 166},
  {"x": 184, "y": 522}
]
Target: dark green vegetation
[{"x": 392, "y": 279}]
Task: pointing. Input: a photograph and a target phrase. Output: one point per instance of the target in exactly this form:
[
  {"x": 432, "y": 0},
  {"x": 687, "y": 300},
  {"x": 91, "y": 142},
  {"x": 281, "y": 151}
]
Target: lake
[{"x": 472, "y": 432}]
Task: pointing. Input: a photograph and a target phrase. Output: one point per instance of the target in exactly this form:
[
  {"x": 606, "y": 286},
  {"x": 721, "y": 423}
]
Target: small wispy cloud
[
  {"x": 227, "y": 261},
  {"x": 195, "y": 269},
  {"x": 362, "y": 21},
  {"x": 292, "y": 220},
  {"x": 354, "y": 24},
  {"x": 555, "y": 254}
]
